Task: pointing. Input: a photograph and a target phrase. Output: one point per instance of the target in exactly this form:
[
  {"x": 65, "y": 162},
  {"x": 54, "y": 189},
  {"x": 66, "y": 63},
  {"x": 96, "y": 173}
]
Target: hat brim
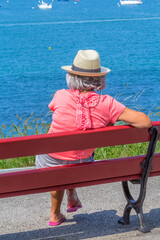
[{"x": 103, "y": 71}]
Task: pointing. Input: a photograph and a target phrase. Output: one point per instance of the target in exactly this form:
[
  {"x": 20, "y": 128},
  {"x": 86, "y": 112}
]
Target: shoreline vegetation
[{"x": 37, "y": 126}]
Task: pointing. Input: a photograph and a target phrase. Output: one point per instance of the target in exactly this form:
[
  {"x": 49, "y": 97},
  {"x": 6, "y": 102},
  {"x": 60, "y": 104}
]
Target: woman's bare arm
[{"x": 134, "y": 118}]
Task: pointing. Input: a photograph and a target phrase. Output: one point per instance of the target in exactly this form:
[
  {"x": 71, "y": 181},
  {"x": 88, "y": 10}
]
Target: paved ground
[{"x": 26, "y": 217}]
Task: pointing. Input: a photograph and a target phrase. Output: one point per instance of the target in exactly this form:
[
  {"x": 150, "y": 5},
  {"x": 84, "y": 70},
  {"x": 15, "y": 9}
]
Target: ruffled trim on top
[{"x": 85, "y": 102}]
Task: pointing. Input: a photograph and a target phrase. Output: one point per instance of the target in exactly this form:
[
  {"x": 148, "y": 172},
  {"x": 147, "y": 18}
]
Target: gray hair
[{"x": 83, "y": 83}]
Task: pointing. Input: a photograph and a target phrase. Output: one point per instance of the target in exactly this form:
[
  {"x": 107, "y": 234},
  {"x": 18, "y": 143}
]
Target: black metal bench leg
[
  {"x": 140, "y": 215},
  {"x": 125, "y": 220},
  {"x": 138, "y": 204}
]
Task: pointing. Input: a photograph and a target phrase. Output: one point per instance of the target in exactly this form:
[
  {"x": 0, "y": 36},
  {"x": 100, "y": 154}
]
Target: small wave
[{"x": 76, "y": 22}]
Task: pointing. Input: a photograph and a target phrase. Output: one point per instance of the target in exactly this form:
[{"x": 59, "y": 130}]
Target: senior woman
[{"x": 80, "y": 107}]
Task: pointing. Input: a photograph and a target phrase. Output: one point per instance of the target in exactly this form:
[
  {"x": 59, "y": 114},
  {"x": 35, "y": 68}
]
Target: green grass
[
  {"x": 30, "y": 126},
  {"x": 123, "y": 151},
  {"x": 17, "y": 162}
]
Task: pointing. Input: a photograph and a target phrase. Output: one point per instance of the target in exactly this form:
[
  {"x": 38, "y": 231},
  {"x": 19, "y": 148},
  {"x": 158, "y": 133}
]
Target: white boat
[
  {"x": 126, "y": 2},
  {"x": 44, "y": 5}
]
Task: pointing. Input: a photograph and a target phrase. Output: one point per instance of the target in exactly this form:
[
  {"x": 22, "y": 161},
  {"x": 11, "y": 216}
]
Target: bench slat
[
  {"x": 69, "y": 186},
  {"x": 51, "y": 143},
  {"x": 41, "y": 180}
]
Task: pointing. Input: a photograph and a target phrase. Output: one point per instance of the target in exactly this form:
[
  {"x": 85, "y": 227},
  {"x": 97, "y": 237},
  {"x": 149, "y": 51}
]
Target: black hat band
[{"x": 77, "y": 69}]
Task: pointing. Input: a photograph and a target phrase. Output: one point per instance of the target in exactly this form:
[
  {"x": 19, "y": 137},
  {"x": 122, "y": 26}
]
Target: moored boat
[
  {"x": 131, "y": 2},
  {"x": 44, "y": 5}
]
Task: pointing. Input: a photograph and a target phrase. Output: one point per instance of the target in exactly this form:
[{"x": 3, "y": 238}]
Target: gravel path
[{"x": 26, "y": 217}]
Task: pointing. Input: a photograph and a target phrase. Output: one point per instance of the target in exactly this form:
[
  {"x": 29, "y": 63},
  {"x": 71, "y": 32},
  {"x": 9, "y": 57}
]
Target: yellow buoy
[{"x": 49, "y": 48}]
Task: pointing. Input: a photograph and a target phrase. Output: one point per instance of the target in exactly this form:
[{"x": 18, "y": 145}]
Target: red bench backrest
[
  {"x": 41, "y": 180},
  {"x": 50, "y": 143}
]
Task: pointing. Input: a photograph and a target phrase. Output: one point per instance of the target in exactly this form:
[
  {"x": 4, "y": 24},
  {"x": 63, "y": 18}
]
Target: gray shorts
[{"x": 44, "y": 160}]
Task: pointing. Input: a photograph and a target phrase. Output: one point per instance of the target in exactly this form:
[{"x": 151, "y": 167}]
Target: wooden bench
[{"x": 86, "y": 174}]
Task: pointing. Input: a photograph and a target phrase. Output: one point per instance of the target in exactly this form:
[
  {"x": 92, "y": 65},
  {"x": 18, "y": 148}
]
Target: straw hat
[{"x": 87, "y": 63}]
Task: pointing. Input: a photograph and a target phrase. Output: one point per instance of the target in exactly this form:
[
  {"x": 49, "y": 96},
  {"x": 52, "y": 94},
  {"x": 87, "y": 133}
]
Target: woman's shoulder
[{"x": 106, "y": 97}]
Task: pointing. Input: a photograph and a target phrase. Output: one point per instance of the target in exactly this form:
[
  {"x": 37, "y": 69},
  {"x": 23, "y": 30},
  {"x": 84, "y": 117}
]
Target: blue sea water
[{"x": 126, "y": 37}]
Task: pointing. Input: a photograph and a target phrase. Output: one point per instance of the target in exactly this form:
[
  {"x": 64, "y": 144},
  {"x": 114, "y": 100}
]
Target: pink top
[{"x": 81, "y": 111}]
